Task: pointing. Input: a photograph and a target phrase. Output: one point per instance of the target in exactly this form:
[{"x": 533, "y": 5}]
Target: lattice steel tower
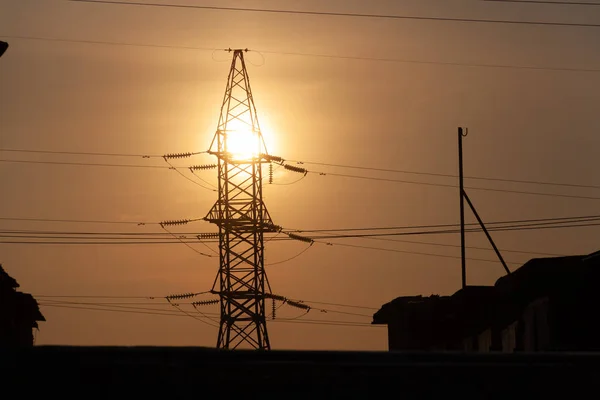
[{"x": 241, "y": 215}]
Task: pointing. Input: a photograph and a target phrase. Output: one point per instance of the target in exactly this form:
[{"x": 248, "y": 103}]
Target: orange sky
[{"x": 523, "y": 124}]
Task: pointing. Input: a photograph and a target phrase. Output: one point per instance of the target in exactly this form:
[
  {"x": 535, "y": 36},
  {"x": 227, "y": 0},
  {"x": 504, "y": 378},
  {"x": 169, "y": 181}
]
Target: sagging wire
[
  {"x": 280, "y": 161},
  {"x": 294, "y": 237},
  {"x": 190, "y": 315},
  {"x": 301, "y": 304},
  {"x": 273, "y": 237},
  {"x": 291, "y": 303},
  {"x": 213, "y": 55},
  {"x": 199, "y": 303},
  {"x": 163, "y": 226},
  {"x": 261, "y": 55},
  {"x": 291, "y": 258},
  {"x": 172, "y": 167},
  {"x": 207, "y": 236},
  {"x": 291, "y": 183},
  {"x": 203, "y": 167}
]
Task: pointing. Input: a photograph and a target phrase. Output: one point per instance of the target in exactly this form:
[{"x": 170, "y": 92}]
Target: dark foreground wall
[{"x": 177, "y": 373}]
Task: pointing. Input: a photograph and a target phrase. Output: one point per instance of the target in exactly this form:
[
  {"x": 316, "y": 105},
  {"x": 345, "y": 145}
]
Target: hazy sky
[{"x": 535, "y": 125}]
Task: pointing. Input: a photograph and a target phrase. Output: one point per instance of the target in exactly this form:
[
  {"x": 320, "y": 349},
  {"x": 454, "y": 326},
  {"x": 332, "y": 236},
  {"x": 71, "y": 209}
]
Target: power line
[
  {"x": 319, "y": 55},
  {"x": 140, "y": 241},
  {"x": 558, "y": 3},
  {"x": 167, "y": 313},
  {"x": 491, "y": 229},
  {"x": 343, "y": 14},
  {"x": 371, "y": 178},
  {"x": 193, "y": 316},
  {"x": 120, "y": 238},
  {"x": 161, "y": 297},
  {"x": 117, "y": 243},
  {"x": 153, "y": 240},
  {"x": 104, "y": 42},
  {"x": 99, "y": 297},
  {"x": 448, "y": 175},
  {"x": 188, "y": 245},
  {"x": 403, "y": 227},
  {"x": 328, "y": 323},
  {"x": 181, "y": 314},
  {"x": 291, "y": 258},
  {"x": 110, "y": 303},
  {"x": 86, "y": 153},
  {"x": 410, "y": 252},
  {"x": 469, "y": 247},
  {"x": 429, "y": 62},
  {"x": 102, "y": 235},
  {"x": 326, "y": 237},
  {"x": 170, "y": 166},
  {"x": 129, "y": 306},
  {"x": 83, "y": 221},
  {"x": 326, "y": 310},
  {"x": 81, "y": 164},
  {"x": 315, "y": 172},
  {"x": 339, "y": 305},
  {"x": 296, "y": 161},
  {"x": 555, "y": 219}
]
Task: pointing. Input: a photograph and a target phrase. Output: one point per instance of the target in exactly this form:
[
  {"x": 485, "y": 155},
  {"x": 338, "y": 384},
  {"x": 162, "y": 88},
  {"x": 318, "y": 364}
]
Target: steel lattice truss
[{"x": 242, "y": 219}]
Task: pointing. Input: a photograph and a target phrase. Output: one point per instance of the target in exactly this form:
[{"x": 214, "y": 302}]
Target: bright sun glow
[{"x": 242, "y": 142}]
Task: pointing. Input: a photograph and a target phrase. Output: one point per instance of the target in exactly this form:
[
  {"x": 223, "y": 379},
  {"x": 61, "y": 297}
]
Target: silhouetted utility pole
[
  {"x": 463, "y": 197},
  {"x": 241, "y": 215}
]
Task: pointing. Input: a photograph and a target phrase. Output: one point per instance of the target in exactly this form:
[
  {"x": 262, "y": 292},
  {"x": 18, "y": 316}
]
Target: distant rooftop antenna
[{"x": 463, "y": 132}]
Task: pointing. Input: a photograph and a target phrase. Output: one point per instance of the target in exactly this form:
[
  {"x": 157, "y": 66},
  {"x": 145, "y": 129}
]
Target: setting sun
[{"x": 243, "y": 142}]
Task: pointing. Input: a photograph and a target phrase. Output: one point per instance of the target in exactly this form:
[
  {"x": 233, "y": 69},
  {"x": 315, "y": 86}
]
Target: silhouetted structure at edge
[
  {"x": 3, "y": 47},
  {"x": 19, "y": 314},
  {"x": 549, "y": 304}
]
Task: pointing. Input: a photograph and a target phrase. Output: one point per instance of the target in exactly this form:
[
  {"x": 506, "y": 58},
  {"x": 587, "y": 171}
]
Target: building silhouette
[
  {"x": 19, "y": 313},
  {"x": 548, "y": 304}
]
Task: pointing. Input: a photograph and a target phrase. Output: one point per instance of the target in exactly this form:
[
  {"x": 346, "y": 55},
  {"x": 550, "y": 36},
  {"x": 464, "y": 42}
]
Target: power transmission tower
[{"x": 241, "y": 215}]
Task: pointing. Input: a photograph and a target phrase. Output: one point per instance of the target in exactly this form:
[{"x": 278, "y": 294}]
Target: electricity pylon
[{"x": 241, "y": 215}]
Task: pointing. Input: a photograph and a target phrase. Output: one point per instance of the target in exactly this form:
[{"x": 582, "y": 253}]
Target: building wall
[
  {"x": 536, "y": 327},
  {"x": 484, "y": 341},
  {"x": 509, "y": 337}
]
